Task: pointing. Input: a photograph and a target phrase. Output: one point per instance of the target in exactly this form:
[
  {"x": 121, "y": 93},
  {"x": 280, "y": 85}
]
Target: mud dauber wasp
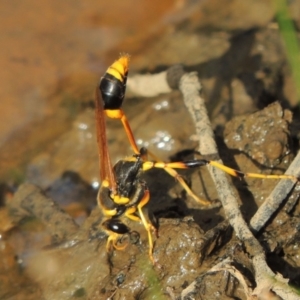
[{"x": 123, "y": 193}]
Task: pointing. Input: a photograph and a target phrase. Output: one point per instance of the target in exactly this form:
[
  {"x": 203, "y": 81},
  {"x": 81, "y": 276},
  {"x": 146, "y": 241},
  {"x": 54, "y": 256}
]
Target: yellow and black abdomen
[{"x": 113, "y": 84}]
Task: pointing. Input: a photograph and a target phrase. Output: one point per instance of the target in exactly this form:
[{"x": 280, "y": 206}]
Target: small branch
[
  {"x": 148, "y": 85},
  {"x": 222, "y": 266},
  {"x": 153, "y": 85},
  {"x": 190, "y": 88},
  {"x": 278, "y": 195}
]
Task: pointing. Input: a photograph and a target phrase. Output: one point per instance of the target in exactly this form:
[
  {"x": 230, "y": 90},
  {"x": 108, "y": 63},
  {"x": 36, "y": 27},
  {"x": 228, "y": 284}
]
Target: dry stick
[
  {"x": 190, "y": 87},
  {"x": 224, "y": 265},
  {"x": 278, "y": 195},
  {"x": 153, "y": 85},
  {"x": 148, "y": 85},
  {"x": 163, "y": 83}
]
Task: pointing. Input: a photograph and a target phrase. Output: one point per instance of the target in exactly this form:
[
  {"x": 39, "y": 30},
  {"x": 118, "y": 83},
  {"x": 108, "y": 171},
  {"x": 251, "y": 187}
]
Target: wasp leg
[
  {"x": 129, "y": 134},
  {"x": 112, "y": 240},
  {"x": 114, "y": 228},
  {"x": 173, "y": 173},
  {"x": 148, "y": 226},
  {"x": 233, "y": 172},
  {"x": 119, "y": 114},
  {"x": 169, "y": 168},
  {"x": 202, "y": 162}
]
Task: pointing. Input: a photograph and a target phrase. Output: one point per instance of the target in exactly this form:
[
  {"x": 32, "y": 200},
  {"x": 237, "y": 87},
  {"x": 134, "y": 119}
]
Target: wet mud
[
  {"x": 70, "y": 261},
  {"x": 52, "y": 245}
]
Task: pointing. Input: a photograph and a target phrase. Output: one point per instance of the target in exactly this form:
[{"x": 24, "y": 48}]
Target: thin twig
[
  {"x": 155, "y": 84},
  {"x": 190, "y": 88},
  {"x": 224, "y": 265},
  {"x": 278, "y": 195},
  {"x": 148, "y": 85}
]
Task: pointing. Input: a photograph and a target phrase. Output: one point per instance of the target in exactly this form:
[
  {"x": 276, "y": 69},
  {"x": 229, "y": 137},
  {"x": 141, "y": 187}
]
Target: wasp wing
[{"x": 106, "y": 170}]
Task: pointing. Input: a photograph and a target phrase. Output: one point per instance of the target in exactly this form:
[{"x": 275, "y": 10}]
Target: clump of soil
[{"x": 76, "y": 264}]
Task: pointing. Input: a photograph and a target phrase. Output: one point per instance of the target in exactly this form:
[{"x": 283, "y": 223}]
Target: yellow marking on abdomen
[{"x": 119, "y": 68}]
